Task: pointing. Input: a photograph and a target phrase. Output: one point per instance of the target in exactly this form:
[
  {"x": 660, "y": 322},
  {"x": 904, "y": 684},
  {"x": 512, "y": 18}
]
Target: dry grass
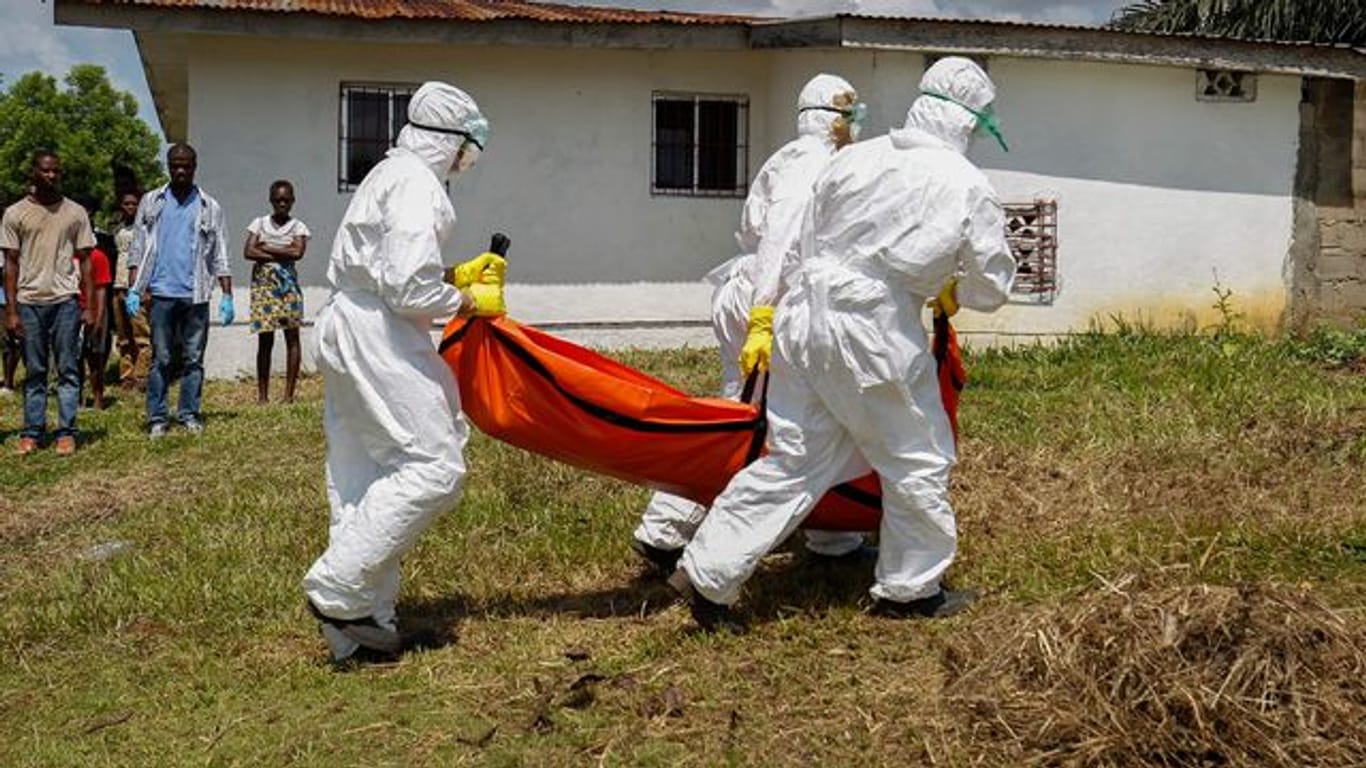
[
  {"x": 102, "y": 496},
  {"x": 1201, "y": 466},
  {"x": 1255, "y": 675}
]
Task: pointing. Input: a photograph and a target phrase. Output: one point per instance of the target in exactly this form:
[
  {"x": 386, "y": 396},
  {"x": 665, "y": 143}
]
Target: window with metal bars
[
  {"x": 369, "y": 119},
  {"x": 1225, "y": 85},
  {"x": 701, "y": 145},
  {"x": 1032, "y": 232}
]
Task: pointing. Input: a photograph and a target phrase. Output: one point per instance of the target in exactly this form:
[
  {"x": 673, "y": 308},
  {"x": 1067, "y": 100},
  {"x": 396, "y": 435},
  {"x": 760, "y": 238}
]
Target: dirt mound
[{"x": 1249, "y": 676}]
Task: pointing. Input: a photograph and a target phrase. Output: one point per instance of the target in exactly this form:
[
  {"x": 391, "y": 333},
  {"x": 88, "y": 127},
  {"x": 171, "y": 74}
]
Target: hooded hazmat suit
[
  {"x": 395, "y": 436},
  {"x": 891, "y": 221},
  {"x": 770, "y": 225}
]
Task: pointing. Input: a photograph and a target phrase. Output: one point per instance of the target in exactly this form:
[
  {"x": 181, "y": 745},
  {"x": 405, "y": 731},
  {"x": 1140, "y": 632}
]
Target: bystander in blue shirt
[
  {"x": 180, "y": 251},
  {"x": 173, "y": 273}
]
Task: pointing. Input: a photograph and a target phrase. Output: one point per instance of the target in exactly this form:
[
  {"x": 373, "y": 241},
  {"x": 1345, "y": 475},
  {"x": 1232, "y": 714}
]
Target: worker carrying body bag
[{"x": 549, "y": 396}]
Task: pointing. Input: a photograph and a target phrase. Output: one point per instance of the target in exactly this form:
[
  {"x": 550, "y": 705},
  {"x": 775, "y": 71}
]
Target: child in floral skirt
[{"x": 274, "y": 244}]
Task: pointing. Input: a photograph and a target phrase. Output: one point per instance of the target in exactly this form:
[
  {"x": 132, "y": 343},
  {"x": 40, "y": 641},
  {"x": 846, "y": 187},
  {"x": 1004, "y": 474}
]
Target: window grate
[
  {"x": 700, "y": 145},
  {"x": 1225, "y": 85},
  {"x": 369, "y": 119},
  {"x": 1032, "y": 232}
]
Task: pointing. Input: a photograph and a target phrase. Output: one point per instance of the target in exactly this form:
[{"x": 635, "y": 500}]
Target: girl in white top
[{"x": 274, "y": 244}]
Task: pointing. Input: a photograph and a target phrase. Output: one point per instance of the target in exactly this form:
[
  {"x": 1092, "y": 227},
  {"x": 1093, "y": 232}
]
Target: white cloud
[
  {"x": 27, "y": 37},
  {"x": 29, "y": 40}
]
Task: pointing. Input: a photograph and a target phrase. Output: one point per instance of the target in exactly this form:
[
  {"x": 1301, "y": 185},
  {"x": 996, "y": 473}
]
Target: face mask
[
  {"x": 986, "y": 119},
  {"x": 856, "y": 115},
  {"x": 853, "y": 116},
  {"x": 476, "y": 132}
]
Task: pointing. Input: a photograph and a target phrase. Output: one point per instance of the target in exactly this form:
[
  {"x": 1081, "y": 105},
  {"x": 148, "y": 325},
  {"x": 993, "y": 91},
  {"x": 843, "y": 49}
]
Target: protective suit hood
[
  {"x": 444, "y": 107},
  {"x": 962, "y": 81},
  {"x": 823, "y": 91}
]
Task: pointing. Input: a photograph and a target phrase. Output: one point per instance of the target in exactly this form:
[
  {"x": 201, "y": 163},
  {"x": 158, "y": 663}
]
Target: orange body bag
[{"x": 548, "y": 396}]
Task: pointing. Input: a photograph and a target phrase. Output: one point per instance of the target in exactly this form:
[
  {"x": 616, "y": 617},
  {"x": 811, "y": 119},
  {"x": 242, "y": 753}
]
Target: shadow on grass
[
  {"x": 800, "y": 584},
  {"x": 432, "y": 624},
  {"x": 84, "y": 436},
  {"x": 643, "y": 596},
  {"x": 807, "y": 585},
  {"x": 91, "y": 436}
]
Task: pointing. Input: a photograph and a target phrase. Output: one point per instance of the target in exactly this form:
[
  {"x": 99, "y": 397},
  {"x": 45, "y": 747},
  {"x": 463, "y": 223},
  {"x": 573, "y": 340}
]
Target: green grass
[{"x": 1186, "y": 459}]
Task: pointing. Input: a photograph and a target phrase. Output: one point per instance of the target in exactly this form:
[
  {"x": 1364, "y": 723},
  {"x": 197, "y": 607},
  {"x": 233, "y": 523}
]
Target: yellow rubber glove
[
  {"x": 758, "y": 348},
  {"x": 483, "y": 300},
  {"x": 486, "y": 268},
  {"x": 946, "y": 303}
]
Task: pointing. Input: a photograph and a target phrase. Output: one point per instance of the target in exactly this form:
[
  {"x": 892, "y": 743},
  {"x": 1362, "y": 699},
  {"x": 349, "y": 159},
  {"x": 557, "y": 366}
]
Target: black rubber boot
[
  {"x": 710, "y": 617},
  {"x": 366, "y": 633},
  {"x": 662, "y": 562},
  {"x": 940, "y": 605}
]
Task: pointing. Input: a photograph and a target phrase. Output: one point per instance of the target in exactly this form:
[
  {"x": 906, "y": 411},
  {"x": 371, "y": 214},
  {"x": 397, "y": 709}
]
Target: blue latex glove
[
  {"x": 132, "y": 302},
  {"x": 226, "y": 312}
]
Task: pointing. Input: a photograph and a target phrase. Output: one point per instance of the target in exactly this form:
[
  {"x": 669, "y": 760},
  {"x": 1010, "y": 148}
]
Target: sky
[{"x": 29, "y": 40}]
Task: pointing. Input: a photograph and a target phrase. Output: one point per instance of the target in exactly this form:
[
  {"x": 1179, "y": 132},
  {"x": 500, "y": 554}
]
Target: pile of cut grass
[{"x": 1132, "y": 675}]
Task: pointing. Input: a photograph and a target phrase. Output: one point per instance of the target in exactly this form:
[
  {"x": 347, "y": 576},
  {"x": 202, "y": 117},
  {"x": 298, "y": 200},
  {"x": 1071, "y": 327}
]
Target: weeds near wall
[
  {"x": 1332, "y": 347},
  {"x": 1123, "y": 326},
  {"x": 1230, "y": 320}
]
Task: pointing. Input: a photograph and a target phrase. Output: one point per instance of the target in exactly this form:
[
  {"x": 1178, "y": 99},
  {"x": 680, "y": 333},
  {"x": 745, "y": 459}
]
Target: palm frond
[{"x": 1319, "y": 21}]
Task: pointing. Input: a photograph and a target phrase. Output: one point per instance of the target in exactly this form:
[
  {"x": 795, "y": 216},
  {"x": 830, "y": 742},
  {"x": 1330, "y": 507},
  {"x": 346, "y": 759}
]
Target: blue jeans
[
  {"x": 182, "y": 322},
  {"x": 51, "y": 329}
]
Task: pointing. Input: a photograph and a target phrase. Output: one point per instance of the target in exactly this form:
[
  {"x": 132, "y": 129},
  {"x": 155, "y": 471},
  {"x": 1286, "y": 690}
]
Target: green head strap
[{"x": 986, "y": 118}]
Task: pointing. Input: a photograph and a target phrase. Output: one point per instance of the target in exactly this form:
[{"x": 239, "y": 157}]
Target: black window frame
[
  {"x": 347, "y": 133},
  {"x": 739, "y": 149}
]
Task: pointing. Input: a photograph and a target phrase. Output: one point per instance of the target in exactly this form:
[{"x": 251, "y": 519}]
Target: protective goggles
[
  {"x": 986, "y": 118},
  {"x": 855, "y": 114},
  {"x": 475, "y": 132}
]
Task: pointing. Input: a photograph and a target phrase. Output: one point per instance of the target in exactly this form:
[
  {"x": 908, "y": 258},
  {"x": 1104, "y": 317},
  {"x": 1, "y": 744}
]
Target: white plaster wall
[
  {"x": 566, "y": 175},
  {"x": 1156, "y": 191}
]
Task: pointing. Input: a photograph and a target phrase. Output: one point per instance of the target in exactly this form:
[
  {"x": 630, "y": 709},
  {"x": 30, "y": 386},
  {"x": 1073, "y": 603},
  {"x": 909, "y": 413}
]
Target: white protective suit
[
  {"x": 770, "y": 225},
  {"x": 395, "y": 435},
  {"x": 891, "y": 220}
]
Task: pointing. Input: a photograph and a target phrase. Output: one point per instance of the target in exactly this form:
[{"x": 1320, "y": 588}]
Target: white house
[{"x": 1143, "y": 168}]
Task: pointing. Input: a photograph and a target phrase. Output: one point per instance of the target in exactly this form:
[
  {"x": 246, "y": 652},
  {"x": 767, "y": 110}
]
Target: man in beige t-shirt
[{"x": 46, "y": 240}]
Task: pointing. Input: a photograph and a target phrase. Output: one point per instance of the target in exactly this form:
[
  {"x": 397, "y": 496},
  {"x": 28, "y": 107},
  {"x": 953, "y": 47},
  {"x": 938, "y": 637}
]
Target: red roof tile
[{"x": 456, "y": 10}]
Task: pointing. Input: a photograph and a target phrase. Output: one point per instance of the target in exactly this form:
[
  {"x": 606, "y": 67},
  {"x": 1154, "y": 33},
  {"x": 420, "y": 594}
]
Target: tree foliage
[
  {"x": 1318, "y": 21},
  {"x": 92, "y": 125}
]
